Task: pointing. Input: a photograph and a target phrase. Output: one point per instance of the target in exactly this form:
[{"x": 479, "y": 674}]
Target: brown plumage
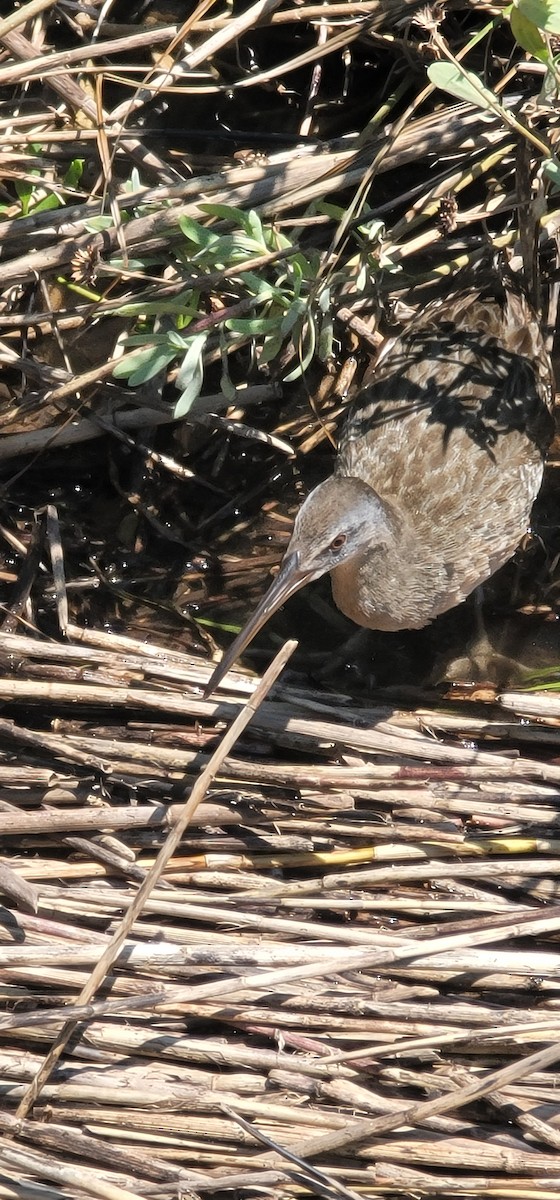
[{"x": 439, "y": 463}]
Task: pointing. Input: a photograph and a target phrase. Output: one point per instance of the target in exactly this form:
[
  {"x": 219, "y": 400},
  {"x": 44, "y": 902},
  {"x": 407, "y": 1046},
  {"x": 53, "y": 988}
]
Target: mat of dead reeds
[{"x": 299, "y": 939}]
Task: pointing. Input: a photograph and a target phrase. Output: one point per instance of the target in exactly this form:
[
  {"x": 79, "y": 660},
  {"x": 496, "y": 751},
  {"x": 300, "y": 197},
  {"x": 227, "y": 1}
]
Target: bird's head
[{"x": 340, "y": 519}]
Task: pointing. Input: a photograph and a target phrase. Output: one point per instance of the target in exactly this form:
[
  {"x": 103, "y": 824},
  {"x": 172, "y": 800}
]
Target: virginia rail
[{"x": 438, "y": 465}]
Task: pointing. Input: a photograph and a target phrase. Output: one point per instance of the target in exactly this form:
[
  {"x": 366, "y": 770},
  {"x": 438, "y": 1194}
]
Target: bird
[{"x": 438, "y": 465}]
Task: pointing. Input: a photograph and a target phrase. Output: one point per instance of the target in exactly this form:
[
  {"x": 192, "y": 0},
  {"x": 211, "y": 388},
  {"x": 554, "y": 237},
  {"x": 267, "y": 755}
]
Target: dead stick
[
  {"x": 23, "y": 15},
  {"x": 152, "y": 878}
]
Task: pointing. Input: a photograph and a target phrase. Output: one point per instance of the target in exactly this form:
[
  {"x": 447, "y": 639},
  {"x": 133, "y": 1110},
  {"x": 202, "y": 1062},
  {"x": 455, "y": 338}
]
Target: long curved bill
[{"x": 290, "y": 578}]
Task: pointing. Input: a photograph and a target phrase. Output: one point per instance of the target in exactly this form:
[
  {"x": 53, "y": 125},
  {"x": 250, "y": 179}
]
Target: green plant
[
  {"x": 277, "y": 300},
  {"x": 532, "y": 24},
  {"x": 34, "y": 195},
  {"x": 266, "y": 292}
]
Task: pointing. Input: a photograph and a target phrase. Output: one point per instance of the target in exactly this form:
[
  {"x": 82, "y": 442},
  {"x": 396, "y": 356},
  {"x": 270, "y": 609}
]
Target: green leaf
[
  {"x": 74, "y": 173},
  {"x": 189, "y": 309},
  {"x": 194, "y": 348},
  {"x": 24, "y": 192},
  {"x": 191, "y": 392},
  {"x": 271, "y": 347},
  {"x": 195, "y": 232},
  {"x": 98, "y": 224},
  {"x": 294, "y": 314},
  {"x": 177, "y": 341},
  {"x": 275, "y": 240},
  {"x": 228, "y": 213},
  {"x": 46, "y": 204},
  {"x": 79, "y": 290},
  {"x": 243, "y": 247},
  {"x": 551, "y": 168},
  {"x": 252, "y": 325},
  {"x": 156, "y": 308},
  {"x": 209, "y": 624},
  {"x": 133, "y": 184},
  {"x": 545, "y": 14},
  {"x": 305, "y": 268},
  {"x": 140, "y": 367},
  {"x": 527, "y": 35},
  {"x": 145, "y": 339},
  {"x": 464, "y": 85},
  {"x": 260, "y": 288},
  {"x": 372, "y": 229},
  {"x": 296, "y": 271},
  {"x": 308, "y": 352},
  {"x": 255, "y": 229},
  {"x": 226, "y": 383},
  {"x": 131, "y": 264},
  {"x": 328, "y": 210},
  {"x": 228, "y": 388},
  {"x": 191, "y": 373}
]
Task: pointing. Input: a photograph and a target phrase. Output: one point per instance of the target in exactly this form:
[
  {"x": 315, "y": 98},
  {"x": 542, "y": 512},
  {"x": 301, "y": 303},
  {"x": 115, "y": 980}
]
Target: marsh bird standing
[{"x": 439, "y": 463}]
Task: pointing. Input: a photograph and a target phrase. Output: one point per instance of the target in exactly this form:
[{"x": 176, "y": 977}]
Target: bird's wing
[{"x": 452, "y": 430}]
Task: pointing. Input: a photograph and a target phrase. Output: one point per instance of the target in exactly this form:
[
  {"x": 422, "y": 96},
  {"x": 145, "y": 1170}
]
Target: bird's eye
[{"x": 338, "y": 542}]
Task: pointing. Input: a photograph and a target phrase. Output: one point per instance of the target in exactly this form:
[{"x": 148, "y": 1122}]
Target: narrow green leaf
[
  {"x": 228, "y": 388},
  {"x": 252, "y": 325},
  {"x": 140, "y": 367},
  {"x": 328, "y": 210},
  {"x": 192, "y": 361},
  {"x": 464, "y": 85},
  {"x": 308, "y": 352},
  {"x": 255, "y": 228},
  {"x": 228, "y": 213},
  {"x": 146, "y": 339},
  {"x": 131, "y": 264},
  {"x": 209, "y": 624},
  {"x": 98, "y": 224},
  {"x": 261, "y": 289},
  {"x": 156, "y": 308},
  {"x": 226, "y": 383},
  {"x": 244, "y": 247},
  {"x": 79, "y": 290},
  {"x": 296, "y": 271},
  {"x": 24, "y": 192},
  {"x": 308, "y": 267},
  {"x": 190, "y": 377}
]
